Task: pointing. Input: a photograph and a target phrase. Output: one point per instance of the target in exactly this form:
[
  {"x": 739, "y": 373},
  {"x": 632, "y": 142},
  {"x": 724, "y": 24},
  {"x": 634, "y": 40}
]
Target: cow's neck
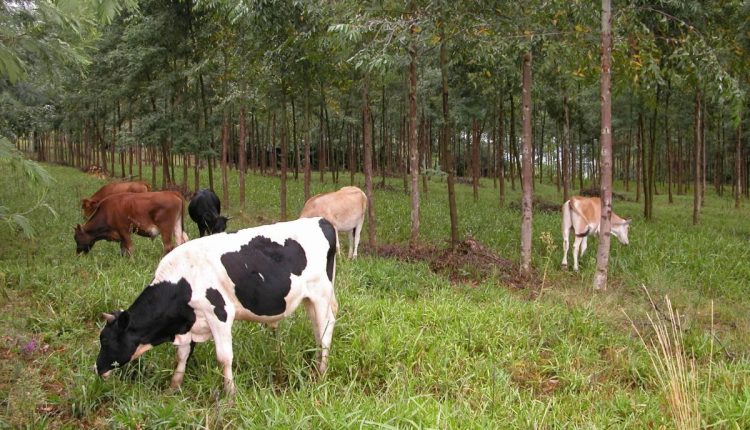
[
  {"x": 161, "y": 312},
  {"x": 97, "y": 229}
]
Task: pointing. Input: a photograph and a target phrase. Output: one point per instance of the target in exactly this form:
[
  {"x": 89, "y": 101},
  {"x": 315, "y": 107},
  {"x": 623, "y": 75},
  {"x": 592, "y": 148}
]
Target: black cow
[
  {"x": 204, "y": 209},
  {"x": 259, "y": 274}
]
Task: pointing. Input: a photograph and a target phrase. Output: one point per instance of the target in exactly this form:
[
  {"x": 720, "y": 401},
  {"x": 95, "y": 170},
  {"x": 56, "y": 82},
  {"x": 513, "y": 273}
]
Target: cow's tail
[{"x": 567, "y": 222}]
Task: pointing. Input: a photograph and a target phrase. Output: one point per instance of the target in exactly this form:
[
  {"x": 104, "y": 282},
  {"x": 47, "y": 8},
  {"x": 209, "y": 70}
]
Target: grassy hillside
[{"x": 411, "y": 349}]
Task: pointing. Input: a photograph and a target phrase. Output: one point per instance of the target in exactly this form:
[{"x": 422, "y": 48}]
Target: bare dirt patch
[{"x": 468, "y": 262}]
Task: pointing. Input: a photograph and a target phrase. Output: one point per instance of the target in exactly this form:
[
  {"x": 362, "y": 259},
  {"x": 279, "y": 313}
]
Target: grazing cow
[
  {"x": 258, "y": 274},
  {"x": 88, "y": 205},
  {"x": 146, "y": 214},
  {"x": 204, "y": 209},
  {"x": 344, "y": 208},
  {"x": 582, "y": 214}
]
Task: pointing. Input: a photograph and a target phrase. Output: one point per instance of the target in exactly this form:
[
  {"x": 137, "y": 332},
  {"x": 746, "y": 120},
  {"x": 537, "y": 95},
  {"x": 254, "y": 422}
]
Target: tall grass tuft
[{"x": 676, "y": 373}]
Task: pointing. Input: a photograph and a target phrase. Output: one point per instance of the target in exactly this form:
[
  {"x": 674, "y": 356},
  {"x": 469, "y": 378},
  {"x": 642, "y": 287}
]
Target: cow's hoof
[{"x": 564, "y": 267}]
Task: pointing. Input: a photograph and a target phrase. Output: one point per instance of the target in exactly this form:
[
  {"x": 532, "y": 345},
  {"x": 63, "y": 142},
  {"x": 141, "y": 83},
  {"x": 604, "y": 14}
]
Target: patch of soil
[{"x": 469, "y": 262}]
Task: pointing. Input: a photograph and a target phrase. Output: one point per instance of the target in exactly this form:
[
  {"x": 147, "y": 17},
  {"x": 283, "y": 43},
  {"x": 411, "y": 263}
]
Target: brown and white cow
[
  {"x": 88, "y": 205},
  {"x": 582, "y": 214},
  {"x": 257, "y": 274},
  {"x": 344, "y": 208},
  {"x": 147, "y": 214}
]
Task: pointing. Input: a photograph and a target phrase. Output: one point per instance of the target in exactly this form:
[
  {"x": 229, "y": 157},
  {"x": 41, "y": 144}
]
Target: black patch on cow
[
  {"x": 160, "y": 313},
  {"x": 261, "y": 273},
  {"x": 330, "y": 234},
  {"x": 214, "y": 297}
]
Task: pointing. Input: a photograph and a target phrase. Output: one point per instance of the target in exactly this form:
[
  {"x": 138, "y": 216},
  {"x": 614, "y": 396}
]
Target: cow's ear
[
  {"x": 108, "y": 317},
  {"x": 123, "y": 320}
]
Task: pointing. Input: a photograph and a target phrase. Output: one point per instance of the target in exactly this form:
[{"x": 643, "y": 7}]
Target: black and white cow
[
  {"x": 258, "y": 274},
  {"x": 204, "y": 209}
]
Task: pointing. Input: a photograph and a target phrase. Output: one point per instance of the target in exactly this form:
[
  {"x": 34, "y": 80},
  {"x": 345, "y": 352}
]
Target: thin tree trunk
[
  {"x": 367, "y": 164},
  {"x": 738, "y": 165},
  {"x": 668, "y": 138},
  {"x": 413, "y": 147},
  {"x": 697, "y": 158},
  {"x": 602, "y": 254},
  {"x": 501, "y": 153},
  {"x": 224, "y": 153},
  {"x": 308, "y": 169},
  {"x": 526, "y": 174},
  {"x": 284, "y": 157},
  {"x": 447, "y": 151},
  {"x": 243, "y": 157},
  {"x": 566, "y": 171},
  {"x": 475, "y": 158}
]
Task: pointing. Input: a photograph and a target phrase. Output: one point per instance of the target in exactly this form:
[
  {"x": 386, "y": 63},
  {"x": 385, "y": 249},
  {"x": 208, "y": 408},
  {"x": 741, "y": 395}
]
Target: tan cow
[
  {"x": 345, "y": 209},
  {"x": 582, "y": 214},
  {"x": 88, "y": 205}
]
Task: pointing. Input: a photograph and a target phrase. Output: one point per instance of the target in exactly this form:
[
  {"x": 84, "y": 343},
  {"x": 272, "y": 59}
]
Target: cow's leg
[
  {"x": 183, "y": 353},
  {"x": 126, "y": 245},
  {"x": 322, "y": 313},
  {"x": 222, "y": 334},
  {"x": 166, "y": 240},
  {"x": 352, "y": 234},
  {"x": 357, "y": 233},
  {"x": 566, "y": 246},
  {"x": 584, "y": 244},
  {"x": 576, "y": 247},
  {"x": 178, "y": 233}
]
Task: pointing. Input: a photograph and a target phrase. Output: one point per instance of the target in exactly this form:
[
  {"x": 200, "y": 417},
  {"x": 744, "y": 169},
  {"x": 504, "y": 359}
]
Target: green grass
[{"x": 410, "y": 349}]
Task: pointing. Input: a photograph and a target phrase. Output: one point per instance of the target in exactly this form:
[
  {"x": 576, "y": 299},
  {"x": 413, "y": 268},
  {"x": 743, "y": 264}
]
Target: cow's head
[
  {"x": 84, "y": 241},
  {"x": 220, "y": 225},
  {"x": 620, "y": 230},
  {"x": 118, "y": 344}
]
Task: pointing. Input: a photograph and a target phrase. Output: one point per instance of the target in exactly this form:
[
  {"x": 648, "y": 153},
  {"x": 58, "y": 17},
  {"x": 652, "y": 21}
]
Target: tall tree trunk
[
  {"x": 668, "y": 138},
  {"x": 697, "y": 158},
  {"x": 566, "y": 171},
  {"x": 447, "y": 149},
  {"x": 605, "y": 182},
  {"x": 284, "y": 158},
  {"x": 224, "y": 153},
  {"x": 526, "y": 174},
  {"x": 243, "y": 157},
  {"x": 639, "y": 158},
  {"x": 367, "y": 164},
  {"x": 738, "y": 165},
  {"x": 475, "y": 158},
  {"x": 500, "y": 152},
  {"x": 308, "y": 168},
  {"x": 512, "y": 144},
  {"x": 413, "y": 147},
  {"x": 294, "y": 140},
  {"x": 322, "y": 145}
]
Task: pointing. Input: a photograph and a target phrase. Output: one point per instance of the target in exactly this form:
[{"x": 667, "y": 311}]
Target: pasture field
[{"x": 411, "y": 349}]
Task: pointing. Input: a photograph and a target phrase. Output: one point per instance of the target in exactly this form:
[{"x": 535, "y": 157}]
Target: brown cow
[
  {"x": 345, "y": 209},
  {"x": 147, "y": 214},
  {"x": 582, "y": 214},
  {"x": 88, "y": 205}
]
